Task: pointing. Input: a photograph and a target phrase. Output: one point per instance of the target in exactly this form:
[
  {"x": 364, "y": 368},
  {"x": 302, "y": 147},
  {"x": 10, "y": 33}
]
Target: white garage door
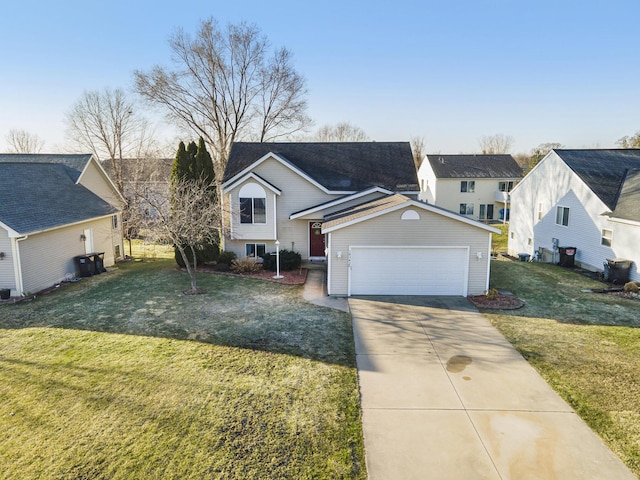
[{"x": 408, "y": 271}]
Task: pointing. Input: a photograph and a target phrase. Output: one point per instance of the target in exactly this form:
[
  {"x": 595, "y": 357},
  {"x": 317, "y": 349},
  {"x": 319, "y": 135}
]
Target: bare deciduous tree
[
  {"x": 21, "y": 141},
  {"x": 190, "y": 217},
  {"x": 418, "y": 149},
  {"x": 341, "y": 132},
  {"x": 224, "y": 88},
  {"x": 632, "y": 141},
  {"x": 496, "y": 144},
  {"x": 539, "y": 152},
  {"x": 106, "y": 124}
]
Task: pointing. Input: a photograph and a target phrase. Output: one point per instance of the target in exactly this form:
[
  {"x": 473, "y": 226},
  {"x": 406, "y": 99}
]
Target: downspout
[{"x": 17, "y": 270}]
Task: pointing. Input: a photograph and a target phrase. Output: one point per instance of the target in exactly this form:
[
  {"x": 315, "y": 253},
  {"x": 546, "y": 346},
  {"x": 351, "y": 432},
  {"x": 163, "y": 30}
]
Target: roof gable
[
  {"x": 474, "y": 166},
  {"x": 603, "y": 171},
  {"x": 381, "y": 206},
  {"x": 628, "y": 206},
  {"x": 42, "y": 196},
  {"x": 336, "y": 166}
]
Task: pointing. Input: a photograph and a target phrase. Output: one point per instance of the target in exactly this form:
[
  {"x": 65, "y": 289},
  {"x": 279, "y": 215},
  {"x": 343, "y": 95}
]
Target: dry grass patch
[
  {"x": 587, "y": 346},
  {"x": 103, "y": 379}
]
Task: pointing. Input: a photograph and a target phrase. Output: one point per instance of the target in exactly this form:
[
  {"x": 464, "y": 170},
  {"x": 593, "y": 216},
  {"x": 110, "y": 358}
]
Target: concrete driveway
[{"x": 445, "y": 396}]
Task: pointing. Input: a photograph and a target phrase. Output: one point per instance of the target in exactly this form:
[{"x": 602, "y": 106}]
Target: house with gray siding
[
  {"x": 354, "y": 207},
  {"x": 583, "y": 199},
  {"x": 52, "y": 209}
]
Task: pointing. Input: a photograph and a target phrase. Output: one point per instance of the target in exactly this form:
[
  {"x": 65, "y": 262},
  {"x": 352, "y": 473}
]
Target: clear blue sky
[{"x": 450, "y": 71}]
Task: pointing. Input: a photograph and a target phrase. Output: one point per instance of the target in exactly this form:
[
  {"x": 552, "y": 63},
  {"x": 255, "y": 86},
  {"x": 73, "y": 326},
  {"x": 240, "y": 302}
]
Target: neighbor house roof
[
  {"x": 337, "y": 166},
  {"x": 474, "y": 166},
  {"x": 42, "y": 196},
  {"x": 604, "y": 171},
  {"x": 75, "y": 161}
]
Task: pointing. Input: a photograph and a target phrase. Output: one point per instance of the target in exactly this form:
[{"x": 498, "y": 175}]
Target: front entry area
[{"x": 316, "y": 241}]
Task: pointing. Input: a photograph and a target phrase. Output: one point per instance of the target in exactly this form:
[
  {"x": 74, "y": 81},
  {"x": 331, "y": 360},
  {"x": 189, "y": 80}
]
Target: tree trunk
[{"x": 190, "y": 270}]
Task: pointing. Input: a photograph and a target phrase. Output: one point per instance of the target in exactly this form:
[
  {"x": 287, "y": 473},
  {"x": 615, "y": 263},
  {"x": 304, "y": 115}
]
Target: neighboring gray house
[
  {"x": 476, "y": 186},
  {"x": 53, "y": 208},
  {"x": 587, "y": 199},
  {"x": 353, "y": 206}
]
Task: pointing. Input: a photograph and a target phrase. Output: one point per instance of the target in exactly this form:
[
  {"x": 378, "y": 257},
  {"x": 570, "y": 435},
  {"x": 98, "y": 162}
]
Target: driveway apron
[{"x": 445, "y": 396}]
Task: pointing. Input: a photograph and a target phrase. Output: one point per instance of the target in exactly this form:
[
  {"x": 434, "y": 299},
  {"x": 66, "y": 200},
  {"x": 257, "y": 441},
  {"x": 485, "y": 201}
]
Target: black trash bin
[
  {"x": 98, "y": 262},
  {"x": 84, "y": 264},
  {"x": 5, "y": 293},
  {"x": 567, "y": 256},
  {"x": 617, "y": 270}
]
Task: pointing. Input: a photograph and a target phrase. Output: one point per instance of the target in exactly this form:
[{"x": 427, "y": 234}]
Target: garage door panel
[{"x": 408, "y": 271}]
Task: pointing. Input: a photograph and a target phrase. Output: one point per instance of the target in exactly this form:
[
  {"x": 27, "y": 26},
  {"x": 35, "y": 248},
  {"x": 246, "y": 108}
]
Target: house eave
[
  {"x": 226, "y": 188},
  {"x": 338, "y": 201}
]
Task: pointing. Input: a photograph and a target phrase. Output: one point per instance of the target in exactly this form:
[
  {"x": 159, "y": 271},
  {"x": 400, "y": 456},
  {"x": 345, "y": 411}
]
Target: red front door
[{"x": 316, "y": 240}]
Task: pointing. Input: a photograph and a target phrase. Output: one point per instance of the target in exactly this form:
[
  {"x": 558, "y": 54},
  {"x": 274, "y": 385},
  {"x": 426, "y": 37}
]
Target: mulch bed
[
  {"x": 501, "y": 302},
  {"x": 293, "y": 277}
]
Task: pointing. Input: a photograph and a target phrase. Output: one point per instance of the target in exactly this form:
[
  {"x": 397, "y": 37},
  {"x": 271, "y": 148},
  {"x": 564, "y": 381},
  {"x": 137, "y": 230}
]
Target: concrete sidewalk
[{"x": 445, "y": 396}]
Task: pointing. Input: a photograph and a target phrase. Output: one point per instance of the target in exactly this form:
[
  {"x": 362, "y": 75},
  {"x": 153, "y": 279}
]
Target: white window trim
[
  {"x": 603, "y": 237},
  {"x": 255, "y": 248},
  {"x": 561, "y": 224},
  {"x": 253, "y": 210}
]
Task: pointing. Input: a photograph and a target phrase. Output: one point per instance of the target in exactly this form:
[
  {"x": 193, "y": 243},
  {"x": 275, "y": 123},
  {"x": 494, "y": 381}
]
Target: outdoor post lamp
[{"x": 277, "y": 275}]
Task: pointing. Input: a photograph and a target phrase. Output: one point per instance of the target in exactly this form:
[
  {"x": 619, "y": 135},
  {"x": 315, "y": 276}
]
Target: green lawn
[
  {"x": 123, "y": 376},
  {"x": 586, "y": 345}
]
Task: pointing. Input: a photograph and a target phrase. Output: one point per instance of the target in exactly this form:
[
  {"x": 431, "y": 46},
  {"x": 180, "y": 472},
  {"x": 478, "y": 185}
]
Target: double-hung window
[
  {"x": 505, "y": 186},
  {"x": 255, "y": 250},
  {"x": 466, "y": 209},
  {"x": 253, "y": 210},
  {"x": 607, "y": 237},
  {"x": 562, "y": 216},
  {"x": 468, "y": 186},
  {"x": 253, "y": 204}
]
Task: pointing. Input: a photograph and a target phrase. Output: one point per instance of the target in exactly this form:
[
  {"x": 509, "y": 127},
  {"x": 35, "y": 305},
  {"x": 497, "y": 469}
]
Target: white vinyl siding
[
  {"x": 7, "y": 279},
  {"x": 94, "y": 180},
  {"x": 552, "y": 184},
  {"x": 431, "y": 230}
]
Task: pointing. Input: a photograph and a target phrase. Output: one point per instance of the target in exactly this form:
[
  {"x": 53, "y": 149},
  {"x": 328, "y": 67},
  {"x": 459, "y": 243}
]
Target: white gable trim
[
  {"x": 413, "y": 203},
  {"x": 233, "y": 180},
  {"x": 10, "y": 231},
  {"x": 339, "y": 201},
  {"x": 104, "y": 174},
  {"x": 251, "y": 176}
]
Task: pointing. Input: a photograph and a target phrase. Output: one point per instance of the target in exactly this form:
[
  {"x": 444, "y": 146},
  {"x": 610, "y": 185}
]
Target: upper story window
[
  {"x": 466, "y": 209},
  {"x": 562, "y": 216},
  {"x": 607, "y": 237},
  {"x": 253, "y": 204},
  {"x": 468, "y": 186},
  {"x": 505, "y": 186}
]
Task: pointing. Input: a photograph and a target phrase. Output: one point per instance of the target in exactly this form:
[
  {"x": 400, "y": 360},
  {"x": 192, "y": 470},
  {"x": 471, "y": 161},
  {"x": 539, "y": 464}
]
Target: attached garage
[
  {"x": 407, "y": 270},
  {"x": 399, "y": 246}
]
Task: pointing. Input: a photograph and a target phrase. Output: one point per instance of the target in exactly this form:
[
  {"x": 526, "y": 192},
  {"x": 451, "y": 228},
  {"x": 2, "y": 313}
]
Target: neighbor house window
[
  {"x": 253, "y": 203},
  {"x": 114, "y": 222},
  {"x": 505, "y": 186},
  {"x": 255, "y": 249},
  {"x": 607, "y": 237},
  {"x": 562, "y": 216},
  {"x": 466, "y": 209},
  {"x": 540, "y": 211},
  {"x": 468, "y": 186}
]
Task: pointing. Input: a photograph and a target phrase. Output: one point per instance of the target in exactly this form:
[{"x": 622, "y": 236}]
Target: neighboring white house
[
  {"x": 587, "y": 199},
  {"x": 476, "y": 186},
  {"x": 52, "y": 209},
  {"x": 353, "y": 206}
]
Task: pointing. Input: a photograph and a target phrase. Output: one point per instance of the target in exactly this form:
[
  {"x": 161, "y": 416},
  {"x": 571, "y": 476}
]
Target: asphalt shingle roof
[
  {"x": 628, "y": 206},
  {"x": 474, "y": 166},
  {"x": 41, "y": 196},
  {"x": 337, "y": 166},
  {"x": 75, "y": 161},
  {"x": 604, "y": 171}
]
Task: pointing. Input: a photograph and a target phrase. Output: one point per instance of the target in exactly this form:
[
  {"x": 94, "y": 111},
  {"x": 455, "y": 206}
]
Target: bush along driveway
[
  {"x": 123, "y": 376},
  {"x": 586, "y": 345}
]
